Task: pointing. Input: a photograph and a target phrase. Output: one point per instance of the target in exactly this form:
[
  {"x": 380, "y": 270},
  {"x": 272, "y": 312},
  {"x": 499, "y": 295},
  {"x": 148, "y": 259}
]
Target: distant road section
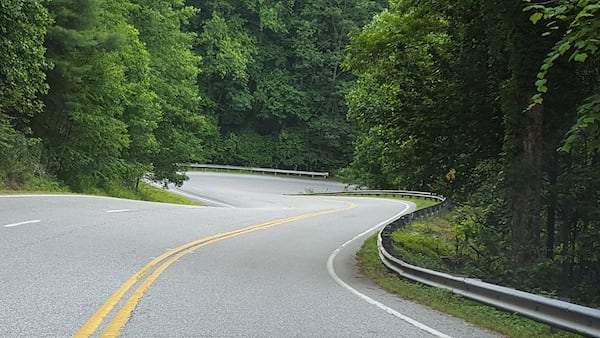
[{"x": 257, "y": 268}]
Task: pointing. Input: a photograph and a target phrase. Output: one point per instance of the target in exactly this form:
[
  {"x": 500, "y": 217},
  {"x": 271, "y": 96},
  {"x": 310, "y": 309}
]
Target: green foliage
[
  {"x": 123, "y": 98},
  {"x": 585, "y": 133},
  {"x": 441, "y": 102},
  {"x": 20, "y": 156},
  {"x": 290, "y": 148},
  {"x": 150, "y": 193},
  {"x": 461, "y": 243},
  {"x": 579, "y": 40},
  {"x": 23, "y": 26},
  {"x": 418, "y": 245},
  {"x": 511, "y": 325},
  {"x": 274, "y": 68},
  {"x": 144, "y": 192},
  {"x": 247, "y": 148},
  {"x": 82, "y": 127},
  {"x": 174, "y": 69},
  {"x": 414, "y": 129},
  {"x": 579, "y": 27}
]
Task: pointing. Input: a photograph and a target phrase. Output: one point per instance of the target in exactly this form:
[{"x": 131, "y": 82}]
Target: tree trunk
[
  {"x": 524, "y": 141},
  {"x": 551, "y": 212},
  {"x": 526, "y": 190}
]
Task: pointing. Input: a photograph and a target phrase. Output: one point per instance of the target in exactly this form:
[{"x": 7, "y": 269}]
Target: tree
[
  {"x": 451, "y": 97},
  {"x": 524, "y": 134},
  {"x": 82, "y": 133},
  {"x": 570, "y": 72},
  {"x": 274, "y": 68},
  {"x": 23, "y": 26},
  {"x": 100, "y": 113},
  {"x": 174, "y": 70},
  {"x": 141, "y": 112},
  {"x": 409, "y": 77}
]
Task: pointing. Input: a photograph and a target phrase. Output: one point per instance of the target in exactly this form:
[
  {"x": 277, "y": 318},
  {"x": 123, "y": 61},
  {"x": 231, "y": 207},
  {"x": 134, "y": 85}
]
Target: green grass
[
  {"x": 420, "y": 202},
  {"x": 145, "y": 192},
  {"x": 150, "y": 193},
  {"x": 427, "y": 242},
  {"x": 36, "y": 185},
  {"x": 509, "y": 324}
]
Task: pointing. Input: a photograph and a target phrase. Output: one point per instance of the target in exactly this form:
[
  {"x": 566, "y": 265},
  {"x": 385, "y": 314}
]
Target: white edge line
[
  {"x": 56, "y": 195},
  {"x": 177, "y": 191},
  {"x": 203, "y": 199},
  {"x": 113, "y": 198},
  {"x": 368, "y": 299},
  {"x": 22, "y": 223},
  {"x": 117, "y": 211}
]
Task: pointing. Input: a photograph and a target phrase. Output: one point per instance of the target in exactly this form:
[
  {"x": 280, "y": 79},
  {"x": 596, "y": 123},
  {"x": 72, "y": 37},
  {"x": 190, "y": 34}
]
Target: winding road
[{"x": 252, "y": 262}]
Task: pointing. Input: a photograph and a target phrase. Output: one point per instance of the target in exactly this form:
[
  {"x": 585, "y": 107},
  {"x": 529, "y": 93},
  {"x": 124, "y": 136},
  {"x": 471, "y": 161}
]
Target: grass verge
[
  {"x": 508, "y": 324},
  {"x": 145, "y": 192},
  {"x": 154, "y": 194},
  {"x": 36, "y": 185}
]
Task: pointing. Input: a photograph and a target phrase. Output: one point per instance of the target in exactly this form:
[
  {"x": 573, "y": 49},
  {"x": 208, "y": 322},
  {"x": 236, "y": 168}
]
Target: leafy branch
[{"x": 580, "y": 39}]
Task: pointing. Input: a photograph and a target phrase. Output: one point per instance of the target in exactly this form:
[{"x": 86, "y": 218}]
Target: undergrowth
[{"x": 509, "y": 324}]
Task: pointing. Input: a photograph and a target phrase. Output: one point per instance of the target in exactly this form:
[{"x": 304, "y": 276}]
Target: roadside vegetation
[
  {"x": 445, "y": 243},
  {"x": 144, "y": 191},
  {"x": 495, "y": 105},
  {"x": 35, "y": 185},
  {"x": 509, "y": 324}
]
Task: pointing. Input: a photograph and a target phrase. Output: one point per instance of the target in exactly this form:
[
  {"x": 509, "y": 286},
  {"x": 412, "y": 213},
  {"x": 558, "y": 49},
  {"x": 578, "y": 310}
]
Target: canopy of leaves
[{"x": 273, "y": 69}]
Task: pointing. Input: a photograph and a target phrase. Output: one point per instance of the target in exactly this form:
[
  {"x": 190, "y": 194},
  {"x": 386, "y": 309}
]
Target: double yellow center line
[{"x": 151, "y": 271}]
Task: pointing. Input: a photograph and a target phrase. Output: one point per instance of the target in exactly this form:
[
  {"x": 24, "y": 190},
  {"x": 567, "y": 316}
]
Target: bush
[{"x": 20, "y": 157}]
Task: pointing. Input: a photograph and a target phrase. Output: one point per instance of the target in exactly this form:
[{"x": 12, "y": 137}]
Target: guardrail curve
[
  {"x": 556, "y": 313},
  {"x": 257, "y": 169}
]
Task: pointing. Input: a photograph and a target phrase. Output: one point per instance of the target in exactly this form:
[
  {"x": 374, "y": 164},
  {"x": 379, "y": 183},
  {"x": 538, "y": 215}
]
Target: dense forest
[
  {"x": 96, "y": 92},
  {"x": 492, "y": 103}
]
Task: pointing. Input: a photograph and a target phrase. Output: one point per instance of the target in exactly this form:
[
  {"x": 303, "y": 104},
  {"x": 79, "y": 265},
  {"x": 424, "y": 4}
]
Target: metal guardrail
[
  {"x": 405, "y": 193},
  {"x": 256, "y": 169},
  {"x": 556, "y": 313}
]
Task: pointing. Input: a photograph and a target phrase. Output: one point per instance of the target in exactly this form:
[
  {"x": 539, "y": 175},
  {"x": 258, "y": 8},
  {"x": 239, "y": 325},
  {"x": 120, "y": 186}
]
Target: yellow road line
[{"x": 165, "y": 260}]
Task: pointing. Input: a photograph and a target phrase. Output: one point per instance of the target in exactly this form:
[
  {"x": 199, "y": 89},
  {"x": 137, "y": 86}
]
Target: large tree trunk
[
  {"x": 523, "y": 142},
  {"x": 526, "y": 190}
]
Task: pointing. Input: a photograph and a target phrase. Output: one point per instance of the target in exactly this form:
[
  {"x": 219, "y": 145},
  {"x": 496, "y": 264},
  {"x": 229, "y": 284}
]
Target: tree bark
[
  {"x": 524, "y": 139},
  {"x": 526, "y": 190},
  {"x": 551, "y": 212}
]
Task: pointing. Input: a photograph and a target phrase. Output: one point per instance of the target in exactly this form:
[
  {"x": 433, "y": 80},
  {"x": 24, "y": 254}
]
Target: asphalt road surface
[{"x": 252, "y": 262}]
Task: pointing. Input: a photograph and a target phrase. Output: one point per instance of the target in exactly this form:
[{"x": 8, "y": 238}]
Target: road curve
[{"x": 265, "y": 264}]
